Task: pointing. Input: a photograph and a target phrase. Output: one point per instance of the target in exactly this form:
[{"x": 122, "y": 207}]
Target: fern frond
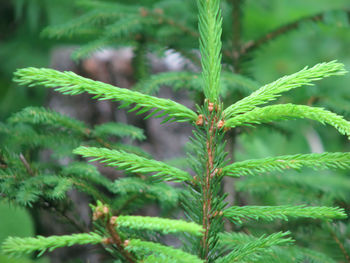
[
  {"x": 266, "y": 165},
  {"x": 269, "y": 213},
  {"x": 290, "y": 111},
  {"x": 40, "y": 115},
  {"x": 209, "y": 26},
  {"x": 273, "y": 90},
  {"x": 133, "y": 163},
  {"x": 164, "y": 225},
  {"x": 144, "y": 247},
  {"x": 19, "y": 246},
  {"x": 119, "y": 130},
  {"x": 70, "y": 83},
  {"x": 256, "y": 248}
]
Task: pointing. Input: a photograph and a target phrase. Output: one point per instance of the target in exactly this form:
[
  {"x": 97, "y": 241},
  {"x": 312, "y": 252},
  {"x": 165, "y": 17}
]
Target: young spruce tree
[{"x": 132, "y": 238}]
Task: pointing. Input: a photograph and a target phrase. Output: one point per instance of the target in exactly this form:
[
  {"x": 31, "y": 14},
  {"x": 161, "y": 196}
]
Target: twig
[
  {"x": 127, "y": 202},
  {"x": 207, "y": 195},
  {"x": 26, "y": 164},
  {"x": 254, "y": 44},
  {"x": 236, "y": 32},
  {"x": 341, "y": 246},
  {"x": 117, "y": 240}
]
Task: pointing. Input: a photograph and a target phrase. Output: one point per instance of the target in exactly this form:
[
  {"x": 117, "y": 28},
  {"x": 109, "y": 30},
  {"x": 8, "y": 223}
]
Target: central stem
[
  {"x": 210, "y": 184},
  {"x": 206, "y": 190}
]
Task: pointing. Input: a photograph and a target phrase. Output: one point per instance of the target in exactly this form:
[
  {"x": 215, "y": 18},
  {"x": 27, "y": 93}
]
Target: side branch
[{"x": 255, "y": 44}]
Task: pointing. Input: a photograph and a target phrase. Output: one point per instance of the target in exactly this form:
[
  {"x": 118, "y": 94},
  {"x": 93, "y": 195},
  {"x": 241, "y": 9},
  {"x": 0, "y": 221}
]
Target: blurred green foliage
[
  {"x": 15, "y": 221},
  {"x": 21, "y": 22}
]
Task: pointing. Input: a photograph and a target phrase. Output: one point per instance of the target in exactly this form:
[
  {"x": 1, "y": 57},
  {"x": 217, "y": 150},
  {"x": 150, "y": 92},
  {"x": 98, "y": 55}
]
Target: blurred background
[{"x": 316, "y": 31}]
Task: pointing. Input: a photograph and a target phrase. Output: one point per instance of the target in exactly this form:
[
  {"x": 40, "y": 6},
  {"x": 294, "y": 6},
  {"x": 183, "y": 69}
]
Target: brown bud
[
  {"x": 199, "y": 121},
  {"x": 221, "y": 124},
  {"x": 218, "y": 213},
  {"x": 126, "y": 243},
  {"x": 107, "y": 241},
  {"x": 97, "y": 215},
  {"x": 159, "y": 11},
  {"x": 113, "y": 220},
  {"x": 143, "y": 12},
  {"x": 210, "y": 106},
  {"x": 105, "y": 210}
]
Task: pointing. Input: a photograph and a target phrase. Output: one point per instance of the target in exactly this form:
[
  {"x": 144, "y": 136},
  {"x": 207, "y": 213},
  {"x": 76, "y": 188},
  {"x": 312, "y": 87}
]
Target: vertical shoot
[{"x": 210, "y": 28}]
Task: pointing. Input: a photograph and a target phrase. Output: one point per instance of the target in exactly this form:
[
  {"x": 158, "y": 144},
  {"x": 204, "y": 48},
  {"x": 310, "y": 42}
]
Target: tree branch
[
  {"x": 255, "y": 44},
  {"x": 26, "y": 164}
]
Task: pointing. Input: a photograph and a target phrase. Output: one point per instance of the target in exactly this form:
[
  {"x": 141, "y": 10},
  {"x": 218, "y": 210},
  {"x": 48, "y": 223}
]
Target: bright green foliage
[
  {"x": 133, "y": 163},
  {"x": 273, "y": 90},
  {"x": 269, "y": 213},
  {"x": 290, "y": 111},
  {"x": 15, "y": 245},
  {"x": 316, "y": 161},
  {"x": 209, "y": 27},
  {"x": 70, "y": 83},
  {"x": 252, "y": 250},
  {"x": 175, "y": 255},
  {"x": 166, "y": 226}
]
